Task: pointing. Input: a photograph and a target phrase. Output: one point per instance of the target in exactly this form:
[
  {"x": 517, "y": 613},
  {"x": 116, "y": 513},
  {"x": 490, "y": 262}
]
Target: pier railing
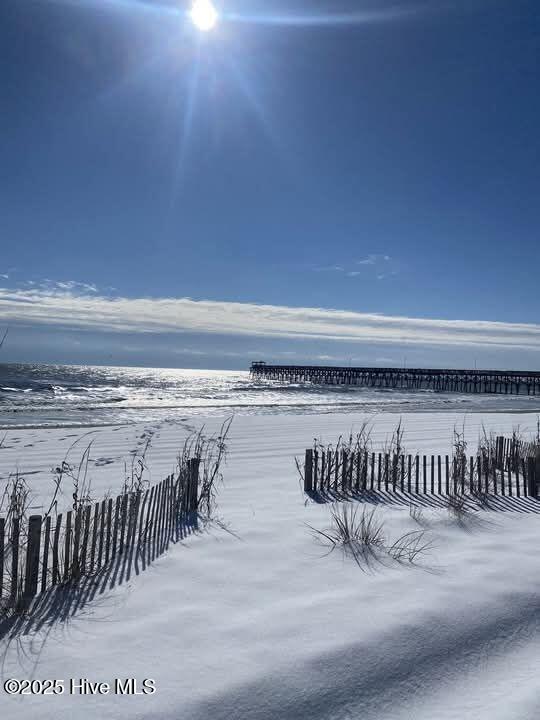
[{"x": 510, "y": 382}]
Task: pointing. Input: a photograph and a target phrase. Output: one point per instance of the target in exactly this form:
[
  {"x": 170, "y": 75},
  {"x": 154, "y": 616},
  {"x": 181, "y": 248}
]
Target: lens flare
[{"x": 203, "y": 15}]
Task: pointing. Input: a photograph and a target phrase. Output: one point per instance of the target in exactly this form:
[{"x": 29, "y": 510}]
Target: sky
[{"x": 353, "y": 181}]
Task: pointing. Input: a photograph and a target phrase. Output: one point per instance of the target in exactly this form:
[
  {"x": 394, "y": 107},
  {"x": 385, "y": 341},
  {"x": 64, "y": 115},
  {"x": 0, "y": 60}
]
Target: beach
[{"x": 251, "y": 617}]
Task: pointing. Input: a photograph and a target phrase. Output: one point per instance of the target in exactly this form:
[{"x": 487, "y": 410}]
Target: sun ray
[
  {"x": 187, "y": 121},
  {"x": 325, "y": 19}
]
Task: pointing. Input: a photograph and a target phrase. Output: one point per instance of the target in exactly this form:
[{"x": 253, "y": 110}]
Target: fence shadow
[
  {"x": 61, "y": 602},
  {"x": 495, "y": 503}
]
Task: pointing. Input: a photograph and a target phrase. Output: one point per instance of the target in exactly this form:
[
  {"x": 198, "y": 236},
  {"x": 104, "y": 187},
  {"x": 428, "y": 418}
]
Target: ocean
[{"x": 61, "y": 395}]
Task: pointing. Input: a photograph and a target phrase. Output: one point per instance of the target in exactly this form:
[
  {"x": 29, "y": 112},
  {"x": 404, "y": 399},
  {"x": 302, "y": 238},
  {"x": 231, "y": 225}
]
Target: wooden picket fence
[
  {"x": 511, "y": 451},
  {"x": 39, "y": 552},
  {"x": 344, "y": 472}
]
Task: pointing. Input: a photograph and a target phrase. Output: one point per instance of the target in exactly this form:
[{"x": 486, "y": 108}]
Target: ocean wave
[
  {"x": 15, "y": 390},
  {"x": 93, "y": 395}
]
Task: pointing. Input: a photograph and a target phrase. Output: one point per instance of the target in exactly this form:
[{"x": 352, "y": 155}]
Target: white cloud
[
  {"x": 330, "y": 268},
  {"x": 90, "y": 311},
  {"x": 378, "y": 262},
  {"x": 373, "y": 259}
]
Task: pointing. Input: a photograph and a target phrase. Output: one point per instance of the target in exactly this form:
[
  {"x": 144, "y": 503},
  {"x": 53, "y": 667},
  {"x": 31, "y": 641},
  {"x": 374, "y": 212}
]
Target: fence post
[
  {"x": 32, "y": 557},
  {"x": 499, "y": 448},
  {"x": 532, "y": 478},
  {"x": 193, "y": 484},
  {"x": 308, "y": 471},
  {"x": 14, "y": 560},
  {"x": 45, "y": 560}
]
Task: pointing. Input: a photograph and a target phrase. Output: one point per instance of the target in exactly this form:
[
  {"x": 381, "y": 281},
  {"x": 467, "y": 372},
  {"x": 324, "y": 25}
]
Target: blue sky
[{"x": 308, "y": 182}]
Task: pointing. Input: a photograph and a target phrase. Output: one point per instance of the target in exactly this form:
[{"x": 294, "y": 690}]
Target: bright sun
[{"x": 203, "y": 15}]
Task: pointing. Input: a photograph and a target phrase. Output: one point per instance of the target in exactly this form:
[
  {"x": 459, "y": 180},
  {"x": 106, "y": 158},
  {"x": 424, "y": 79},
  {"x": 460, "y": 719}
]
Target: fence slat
[
  {"x": 33, "y": 545},
  {"x": 94, "y": 537},
  {"x": 86, "y": 534},
  {"x": 194, "y": 480},
  {"x": 365, "y": 470},
  {"x": 487, "y": 465},
  {"x": 148, "y": 524},
  {"x": 156, "y": 519},
  {"x": 76, "y": 543},
  {"x": 117, "y": 510},
  {"x": 344, "y": 459},
  {"x": 328, "y": 469},
  {"x": 108, "y": 531},
  {"x": 162, "y": 516},
  {"x": 101, "y": 542},
  {"x": 55, "y": 557},
  {"x": 164, "y": 503},
  {"x": 15, "y": 533},
  {"x": 123, "y": 521},
  {"x": 67, "y": 547},
  {"x": 2, "y": 533},
  {"x": 141, "y": 518},
  {"x": 45, "y": 559}
]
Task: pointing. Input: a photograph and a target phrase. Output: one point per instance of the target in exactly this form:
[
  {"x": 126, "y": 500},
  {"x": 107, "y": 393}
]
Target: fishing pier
[{"x": 500, "y": 382}]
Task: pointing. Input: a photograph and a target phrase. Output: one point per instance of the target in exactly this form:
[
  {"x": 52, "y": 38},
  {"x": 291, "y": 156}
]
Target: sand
[{"x": 252, "y": 618}]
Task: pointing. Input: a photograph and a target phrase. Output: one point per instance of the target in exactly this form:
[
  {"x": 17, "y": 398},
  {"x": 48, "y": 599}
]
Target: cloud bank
[{"x": 80, "y": 308}]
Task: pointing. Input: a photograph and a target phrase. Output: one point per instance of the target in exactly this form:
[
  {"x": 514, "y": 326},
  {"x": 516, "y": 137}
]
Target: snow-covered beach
[
  {"x": 270, "y": 360},
  {"x": 252, "y": 618}
]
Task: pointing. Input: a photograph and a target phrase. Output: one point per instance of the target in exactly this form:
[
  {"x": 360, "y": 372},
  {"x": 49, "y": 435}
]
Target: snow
[{"x": 252, "y": 619}]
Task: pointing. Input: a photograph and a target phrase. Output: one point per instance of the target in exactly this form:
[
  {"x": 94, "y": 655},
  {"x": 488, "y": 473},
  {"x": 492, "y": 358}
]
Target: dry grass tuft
[{"x": 360, "y": 535}]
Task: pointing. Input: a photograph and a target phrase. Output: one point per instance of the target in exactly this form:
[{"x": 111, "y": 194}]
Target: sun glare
[{"x": 203, "y": 15}]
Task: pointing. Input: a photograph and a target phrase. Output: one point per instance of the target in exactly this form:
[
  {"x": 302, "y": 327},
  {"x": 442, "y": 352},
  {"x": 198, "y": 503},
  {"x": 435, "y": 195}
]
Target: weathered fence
[
  {"x": 343, "y": 471},
  {"x": 41, "y": 551},
  {"x": 511, "y": 451}
]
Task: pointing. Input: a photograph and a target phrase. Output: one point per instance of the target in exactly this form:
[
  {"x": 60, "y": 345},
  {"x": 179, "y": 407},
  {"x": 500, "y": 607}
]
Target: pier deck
[{"x": 509, "y": 382}]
